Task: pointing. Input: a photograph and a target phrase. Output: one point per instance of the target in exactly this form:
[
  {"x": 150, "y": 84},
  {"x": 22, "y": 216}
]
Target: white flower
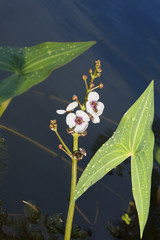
[
  {"x": 69, "y": 108},
  {"x": 78, "y": 121},
  {"x": 93, "y": 107}
]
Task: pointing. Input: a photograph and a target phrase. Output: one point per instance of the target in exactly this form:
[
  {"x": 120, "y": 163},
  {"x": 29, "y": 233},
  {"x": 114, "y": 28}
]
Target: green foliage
[
  {"x": 133, "y": 137},
  {"x": 31, "y": 65}
]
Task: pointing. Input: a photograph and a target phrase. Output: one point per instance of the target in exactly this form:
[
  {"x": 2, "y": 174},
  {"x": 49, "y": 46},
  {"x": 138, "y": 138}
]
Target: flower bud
[
  {"x": 53, "y": 121},
  {"x": 97, "y": 63},
  {"x": 53, "y": 125},
  {"x": 74, "y": 98},
  {"x": 60, "y": 146},
  {"x": 84, "y": 77},
  {"x": 90, "y": 71},
  {"x": 101, "y": 85},
  {"x": 92, "y": 85},
  {"x": 98, "y": 74},
  {"x": 99, "y": 70}
]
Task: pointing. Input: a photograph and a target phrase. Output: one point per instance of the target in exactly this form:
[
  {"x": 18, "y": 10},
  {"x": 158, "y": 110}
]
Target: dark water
[{"x": 128, "y": 44}]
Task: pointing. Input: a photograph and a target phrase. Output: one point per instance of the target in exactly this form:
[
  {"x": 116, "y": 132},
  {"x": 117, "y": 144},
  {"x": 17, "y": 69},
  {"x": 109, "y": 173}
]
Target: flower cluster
[{"x": 79, "y": 121}]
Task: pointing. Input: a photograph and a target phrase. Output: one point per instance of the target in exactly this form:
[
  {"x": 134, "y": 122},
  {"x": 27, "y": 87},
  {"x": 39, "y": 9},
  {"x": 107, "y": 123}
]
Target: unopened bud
[
  {"x": 84, "y": 77},
  {"x": 98, "y": 63},
  {"x": 74, "y": 97},
  {"x": 98, "y": 74},
  {"x": 101, "y": 85},
  {"x": 60, "y": 146},
  {"x": 90, "y": 71},
  {"x": 53, "y": 125},
  {"x": 99, "y": 70},
  {"x": 53, "y": 121},
  {"x": 92, "y": 85}
]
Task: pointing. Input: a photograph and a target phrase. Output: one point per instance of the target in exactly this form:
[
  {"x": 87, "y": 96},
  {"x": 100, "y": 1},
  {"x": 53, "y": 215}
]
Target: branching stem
[{"x": 64, "y": 145}]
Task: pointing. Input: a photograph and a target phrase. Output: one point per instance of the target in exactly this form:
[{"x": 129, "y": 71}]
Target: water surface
[{"x": 127, "y": 36}]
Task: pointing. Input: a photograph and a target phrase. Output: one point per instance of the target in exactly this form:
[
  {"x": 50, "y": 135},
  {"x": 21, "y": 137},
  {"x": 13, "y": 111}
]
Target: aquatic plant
[
  {"x": 33, "y": 225},
  {"x": 133, "y": 138}
]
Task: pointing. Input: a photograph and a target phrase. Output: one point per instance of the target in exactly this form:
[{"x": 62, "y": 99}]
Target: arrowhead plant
[{"x": 133, "y": 138}]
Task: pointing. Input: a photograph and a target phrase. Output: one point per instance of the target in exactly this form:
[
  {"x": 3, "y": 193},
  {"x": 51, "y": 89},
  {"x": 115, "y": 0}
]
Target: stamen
[
  {"x": 78, "y": 120},
  {"x": 94, "y": 106}
]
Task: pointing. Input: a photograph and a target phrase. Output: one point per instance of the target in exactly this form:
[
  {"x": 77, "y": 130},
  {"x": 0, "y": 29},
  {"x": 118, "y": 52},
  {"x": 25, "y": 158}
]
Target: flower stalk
[
  {"x": 71, "y": 209},
  {"x": 78, "y": 122},
  {"x": 53, "y": 127}
]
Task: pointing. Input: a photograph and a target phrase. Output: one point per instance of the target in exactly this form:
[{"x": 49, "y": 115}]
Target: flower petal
[
  {"x": 70, "y": 120},
  {"x": 100, "y": 108},
  {"x": 71, "y": 106},
  {"x": 93, "y": 96},
  {"x": 89, "y": 108},
  {"x": 60, "y": 111},
  {"x": 83, "y": 115},
  {"x": 81, "y": 127},
  {"x": 95, "y": 119}
]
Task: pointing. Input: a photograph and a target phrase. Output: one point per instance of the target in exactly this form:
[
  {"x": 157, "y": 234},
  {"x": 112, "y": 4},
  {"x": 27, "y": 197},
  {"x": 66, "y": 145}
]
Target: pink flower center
[
  {"x": 94, "y": 106},
  {"x": 78, "y": 120}
]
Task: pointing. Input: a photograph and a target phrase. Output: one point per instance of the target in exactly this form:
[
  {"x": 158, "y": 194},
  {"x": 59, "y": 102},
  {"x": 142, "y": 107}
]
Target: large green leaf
[
  {"x": 133, "y": 137},
  {"x": 32, "y": 65}
]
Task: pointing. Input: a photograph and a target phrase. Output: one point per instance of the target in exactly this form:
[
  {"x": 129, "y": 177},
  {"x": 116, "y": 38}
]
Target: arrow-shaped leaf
[
  {"x": 133, "y": 137},
  {"x": 32, "y": 65}
]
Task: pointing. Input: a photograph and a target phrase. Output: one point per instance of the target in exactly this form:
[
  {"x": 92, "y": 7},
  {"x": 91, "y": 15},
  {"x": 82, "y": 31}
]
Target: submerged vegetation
[{"x": 32, "y": 225}]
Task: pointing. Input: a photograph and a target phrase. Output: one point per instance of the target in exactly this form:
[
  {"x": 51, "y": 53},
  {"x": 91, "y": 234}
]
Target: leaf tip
[
  {"x": 141, "y": 233},
  {"x": 152, "y": 82},
  {"x": 91, "y": 43}
]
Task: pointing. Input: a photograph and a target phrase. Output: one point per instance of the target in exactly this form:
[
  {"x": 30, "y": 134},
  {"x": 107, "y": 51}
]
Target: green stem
[
  {"x": 88, "y": 91},
  {"x": 65, "y": 146},
  {"x": 69, "y": 221}
]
